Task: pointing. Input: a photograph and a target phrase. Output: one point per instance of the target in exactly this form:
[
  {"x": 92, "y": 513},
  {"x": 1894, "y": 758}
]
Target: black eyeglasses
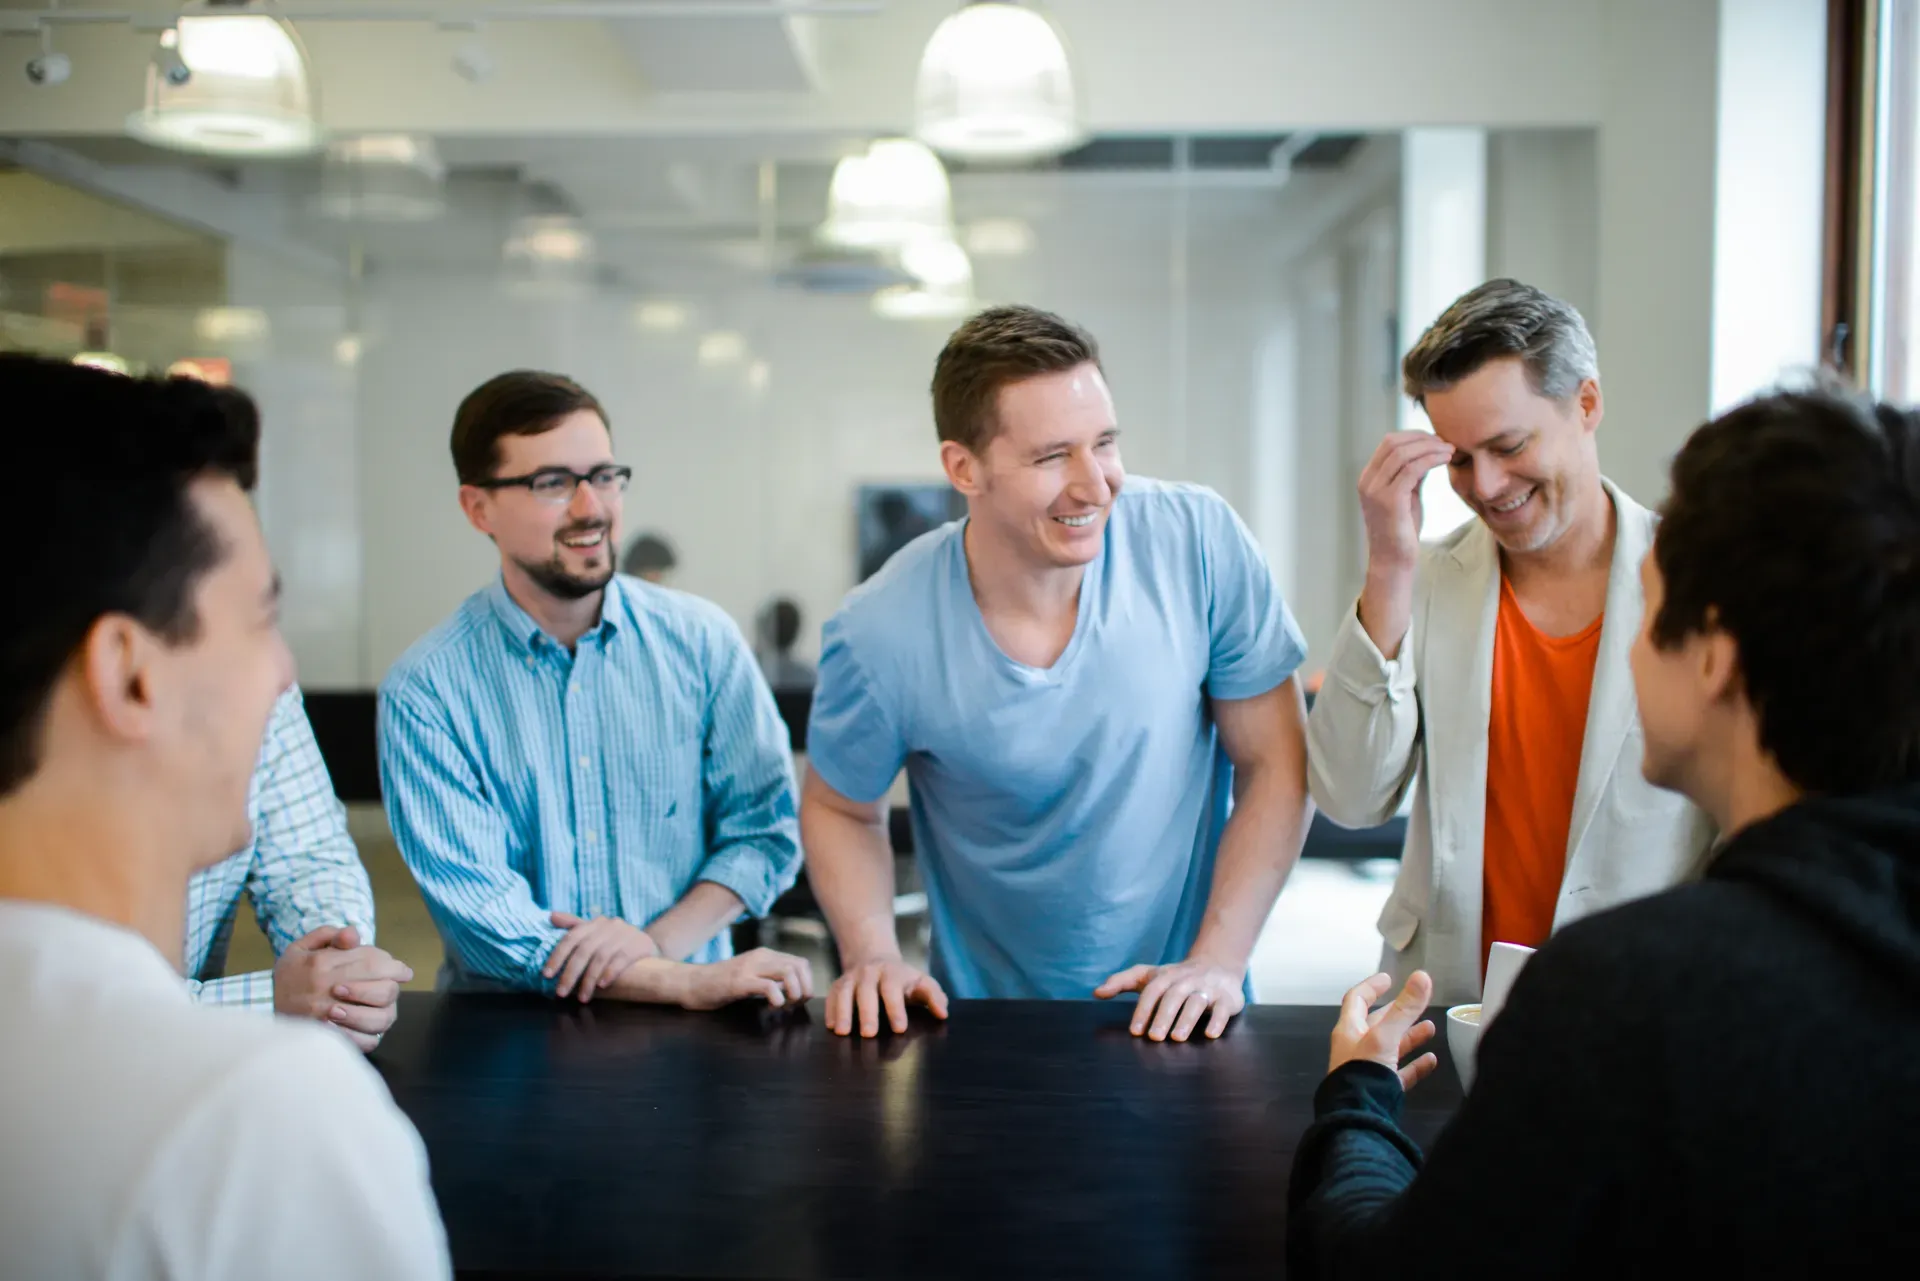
[{"x": 556, "y": 484}]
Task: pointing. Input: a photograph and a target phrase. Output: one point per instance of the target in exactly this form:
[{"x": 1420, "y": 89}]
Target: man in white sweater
[
  {"x": 143, "y": 1135},
  {"x": 1488, "y": 671}
]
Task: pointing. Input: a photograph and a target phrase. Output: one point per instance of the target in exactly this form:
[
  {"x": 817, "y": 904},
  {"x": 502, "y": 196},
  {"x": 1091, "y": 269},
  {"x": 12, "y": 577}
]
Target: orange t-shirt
[{"x": 1535, "y": 726}]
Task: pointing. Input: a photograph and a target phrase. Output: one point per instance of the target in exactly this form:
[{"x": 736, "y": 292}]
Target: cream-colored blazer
[{"x": 1380, "y": 727}]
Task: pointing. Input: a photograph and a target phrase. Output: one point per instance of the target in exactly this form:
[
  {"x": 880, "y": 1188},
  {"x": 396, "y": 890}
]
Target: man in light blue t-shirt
[{"x": 1081, "y": 681}]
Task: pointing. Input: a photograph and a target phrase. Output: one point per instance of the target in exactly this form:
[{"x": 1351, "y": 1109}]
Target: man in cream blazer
[{"x": 1465, "y": 669}]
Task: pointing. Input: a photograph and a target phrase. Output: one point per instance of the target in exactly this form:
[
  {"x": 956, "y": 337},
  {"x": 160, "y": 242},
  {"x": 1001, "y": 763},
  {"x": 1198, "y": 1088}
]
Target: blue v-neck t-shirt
[{"x": 1066, "y": 819}]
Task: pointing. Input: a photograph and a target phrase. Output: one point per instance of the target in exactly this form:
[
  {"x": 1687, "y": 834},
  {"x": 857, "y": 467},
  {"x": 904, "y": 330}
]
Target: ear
[
  {"x": 478, "y": 506},
  {"x": 1591, "y": 403},
  {"x": 116, "y": 668},
  {"x": 1719, "y": 662},
  {"x": 963, "y": 467}
]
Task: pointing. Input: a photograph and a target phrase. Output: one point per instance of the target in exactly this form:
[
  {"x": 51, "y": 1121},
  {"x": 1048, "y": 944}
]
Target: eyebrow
[
  {"x": 1510, "y": 436},
  {"x": 1054, "y": 446}
]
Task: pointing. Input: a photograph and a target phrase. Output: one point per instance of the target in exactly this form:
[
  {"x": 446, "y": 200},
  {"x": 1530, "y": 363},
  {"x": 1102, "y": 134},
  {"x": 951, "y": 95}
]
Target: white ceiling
[
  {"x": 1141, "y": 66},
  {"x": 657, "y": 129}
]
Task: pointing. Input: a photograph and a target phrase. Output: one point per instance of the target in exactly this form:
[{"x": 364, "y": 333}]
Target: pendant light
[
  {"x": 229, "y": 85},
  {"x": 995, "y": 86}
]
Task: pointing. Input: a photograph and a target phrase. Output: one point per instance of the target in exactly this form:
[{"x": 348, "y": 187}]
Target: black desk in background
[
  {"x": 1020, "y": 1140},
  {"x": 344, "y": 727}
]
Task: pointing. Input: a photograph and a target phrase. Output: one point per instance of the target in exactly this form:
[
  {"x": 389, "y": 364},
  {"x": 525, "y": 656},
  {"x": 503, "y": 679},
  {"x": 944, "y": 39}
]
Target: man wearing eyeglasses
[{"x": 585, "y": 772}]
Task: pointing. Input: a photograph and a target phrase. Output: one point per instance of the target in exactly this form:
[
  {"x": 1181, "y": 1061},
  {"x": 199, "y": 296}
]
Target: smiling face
[
  {"x": 563, "y": 549},
  {"x": 1522, "y": 461},
  {"x": 1045, "y": 481}
]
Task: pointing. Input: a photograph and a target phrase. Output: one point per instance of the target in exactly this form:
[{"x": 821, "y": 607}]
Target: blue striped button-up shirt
[{"x": 523, "y": 779}]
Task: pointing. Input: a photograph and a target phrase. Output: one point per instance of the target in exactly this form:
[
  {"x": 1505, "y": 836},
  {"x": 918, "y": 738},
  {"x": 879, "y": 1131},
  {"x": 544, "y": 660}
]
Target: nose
[
  {"x": 1489, "y": 478},
  {"x": 1087, "y": 482},
  {"x": 586, "y": 504}
]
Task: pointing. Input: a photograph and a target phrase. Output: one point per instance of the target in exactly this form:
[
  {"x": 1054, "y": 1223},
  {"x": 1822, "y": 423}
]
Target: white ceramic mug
[{"x": 1463, "y": 1038}]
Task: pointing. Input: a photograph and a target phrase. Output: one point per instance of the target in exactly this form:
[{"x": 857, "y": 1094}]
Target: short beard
[{"x": 553, "y": 579}]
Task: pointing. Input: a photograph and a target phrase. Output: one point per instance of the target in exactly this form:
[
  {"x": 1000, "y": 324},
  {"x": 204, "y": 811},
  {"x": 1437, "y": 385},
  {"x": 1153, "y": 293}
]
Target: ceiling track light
[
  {"x": 49, "y": 66},
  {"x": 167, "y": 60}
]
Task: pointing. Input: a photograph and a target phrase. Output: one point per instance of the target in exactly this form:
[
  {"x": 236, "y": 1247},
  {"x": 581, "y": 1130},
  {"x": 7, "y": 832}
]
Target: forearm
[
  {"x": 653, "y": 980},
  {"x": 1386, "y": 606},
  {"x": 686, "y": 927},
  {"x": 850, "y": 867},
  {"x": 1257, "y": 853}
]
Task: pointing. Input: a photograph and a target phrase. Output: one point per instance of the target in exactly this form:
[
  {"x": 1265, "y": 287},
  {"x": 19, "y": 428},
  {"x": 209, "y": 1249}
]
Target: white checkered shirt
[{"x": 301, "y": 871}]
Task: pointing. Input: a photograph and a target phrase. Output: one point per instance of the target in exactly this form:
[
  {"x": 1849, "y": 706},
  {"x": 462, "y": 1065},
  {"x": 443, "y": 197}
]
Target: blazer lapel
[
  {"x": 1610, "y": 709},
  {"x": 1456, "y": 681}
]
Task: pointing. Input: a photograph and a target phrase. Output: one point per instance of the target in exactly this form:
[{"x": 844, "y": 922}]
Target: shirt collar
[{"x": 528, "y": 635}]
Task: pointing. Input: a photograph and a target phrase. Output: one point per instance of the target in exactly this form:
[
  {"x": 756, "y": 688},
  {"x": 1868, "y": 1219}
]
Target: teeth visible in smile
[
  {"x": 1515, "y": 504},
  {"x": 594, "y": 539},
  {"x": 1075, "y": 522}
]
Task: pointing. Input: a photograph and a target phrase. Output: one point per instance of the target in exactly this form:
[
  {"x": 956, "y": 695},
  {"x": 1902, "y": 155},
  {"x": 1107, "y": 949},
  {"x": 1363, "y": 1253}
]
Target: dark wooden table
[{"x": 1022, "y": 1139}]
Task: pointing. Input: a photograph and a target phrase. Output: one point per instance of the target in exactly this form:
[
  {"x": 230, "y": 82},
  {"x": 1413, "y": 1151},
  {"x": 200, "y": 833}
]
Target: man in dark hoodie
[{"x": 1724, "y": 1077}]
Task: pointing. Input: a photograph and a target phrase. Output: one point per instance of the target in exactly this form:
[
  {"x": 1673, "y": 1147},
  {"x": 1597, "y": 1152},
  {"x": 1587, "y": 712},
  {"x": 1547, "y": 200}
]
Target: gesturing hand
[
  {"x": 594, "y": 953},
  {"x": 1389, "y": 1034},
  {"x": 887, "y": 984},
  {"x": 1173, "y": 998}
]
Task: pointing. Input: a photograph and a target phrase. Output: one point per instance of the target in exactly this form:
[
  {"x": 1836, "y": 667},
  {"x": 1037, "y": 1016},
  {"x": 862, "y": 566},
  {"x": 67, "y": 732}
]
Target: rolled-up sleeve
[
  {"x": 1363, "y": 735},
  {"x": 456, "y": 842},
  {"x": 751, "y": 820}
]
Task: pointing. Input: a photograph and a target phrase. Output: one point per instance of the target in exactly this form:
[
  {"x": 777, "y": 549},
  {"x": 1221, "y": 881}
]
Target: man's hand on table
[
  {"x": 1389, "y": 1034},
  {"x": 886, "y": 984},
  {"x": 776, "y": 977},
  {"x": 329, "y": 976},
  {"x": 1174, "y": 998},
  {"x": 594, "y": 953}
]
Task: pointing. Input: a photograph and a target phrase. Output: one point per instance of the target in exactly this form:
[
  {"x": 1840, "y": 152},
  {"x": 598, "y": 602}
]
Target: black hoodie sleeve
[
  {"x": 1552, "y": 1155},
  {"x": 1352, "y": 1164}
]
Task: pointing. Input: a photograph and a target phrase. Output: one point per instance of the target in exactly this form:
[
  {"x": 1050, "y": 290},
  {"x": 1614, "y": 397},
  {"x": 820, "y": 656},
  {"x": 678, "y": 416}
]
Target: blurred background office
[{"x": 724, "y": 217}]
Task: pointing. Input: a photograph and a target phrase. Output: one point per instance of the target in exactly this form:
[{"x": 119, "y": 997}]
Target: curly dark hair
[
  {"x": 1794, "y": 526},
  {"x": 102, "y": 523}
]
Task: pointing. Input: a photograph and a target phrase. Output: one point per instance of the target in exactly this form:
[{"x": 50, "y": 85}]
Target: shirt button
[
  {"x": 529, "y": 660},
  {"x": 584, "y": 762},
  {"x": 590, "y": 838}
]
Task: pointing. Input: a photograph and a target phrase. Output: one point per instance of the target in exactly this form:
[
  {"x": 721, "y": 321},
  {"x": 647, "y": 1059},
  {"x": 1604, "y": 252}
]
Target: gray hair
[{"x": 1498, "y": 319}]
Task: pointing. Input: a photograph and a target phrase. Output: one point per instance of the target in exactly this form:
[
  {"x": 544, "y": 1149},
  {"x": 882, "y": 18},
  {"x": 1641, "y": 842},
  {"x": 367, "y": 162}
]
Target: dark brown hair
[
  {"x": 1794, "y": 527},
  {"x": 524, "y": 402},
  {"x": 998, "y": 347},
  {"x": 110, "y": 529}
]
